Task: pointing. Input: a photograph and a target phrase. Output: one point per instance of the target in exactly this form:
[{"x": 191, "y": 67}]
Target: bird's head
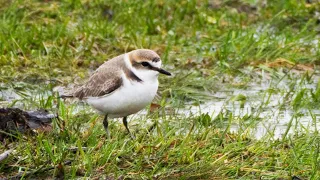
[{"x": 146, "y": 63}]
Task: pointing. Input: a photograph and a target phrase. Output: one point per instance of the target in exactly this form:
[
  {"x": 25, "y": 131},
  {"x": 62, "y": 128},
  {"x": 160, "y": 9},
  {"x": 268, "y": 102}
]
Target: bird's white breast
[{"x": 130, "y": 98}]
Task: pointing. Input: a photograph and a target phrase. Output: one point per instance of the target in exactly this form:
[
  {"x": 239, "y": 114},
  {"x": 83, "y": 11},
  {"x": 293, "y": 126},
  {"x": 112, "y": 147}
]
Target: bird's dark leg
[
  {"x": 105, "y": 124},
  {"x": 125, "y": 123}
]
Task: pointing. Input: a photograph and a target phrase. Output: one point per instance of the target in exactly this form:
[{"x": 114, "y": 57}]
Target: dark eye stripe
[{"x": 145, "y": 64}]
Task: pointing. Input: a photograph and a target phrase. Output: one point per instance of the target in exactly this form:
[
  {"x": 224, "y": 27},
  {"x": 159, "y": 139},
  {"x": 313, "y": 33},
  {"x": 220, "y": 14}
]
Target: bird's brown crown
[{"x": 141, "y": 55}]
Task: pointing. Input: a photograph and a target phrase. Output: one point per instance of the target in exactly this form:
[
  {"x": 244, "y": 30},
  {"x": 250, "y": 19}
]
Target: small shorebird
[{"x": 122, "y": 85}]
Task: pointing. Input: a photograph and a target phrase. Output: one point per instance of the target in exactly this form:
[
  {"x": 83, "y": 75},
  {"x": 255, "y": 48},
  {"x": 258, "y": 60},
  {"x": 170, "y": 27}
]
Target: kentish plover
[{"x": 122, "y": 85}]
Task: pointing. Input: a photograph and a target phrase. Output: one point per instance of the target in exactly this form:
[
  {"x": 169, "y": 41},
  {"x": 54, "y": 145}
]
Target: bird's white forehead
[{"x": 155, "y": 64}]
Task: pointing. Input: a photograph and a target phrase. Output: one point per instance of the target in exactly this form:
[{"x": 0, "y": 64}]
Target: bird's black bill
[{"x": 162, "y": 71}]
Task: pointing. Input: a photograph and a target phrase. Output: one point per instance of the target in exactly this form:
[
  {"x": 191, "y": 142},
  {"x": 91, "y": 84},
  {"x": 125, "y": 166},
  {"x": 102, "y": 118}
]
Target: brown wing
[
  {"x": 104, "y": 80},
  {"x": 93, "y": 88}
]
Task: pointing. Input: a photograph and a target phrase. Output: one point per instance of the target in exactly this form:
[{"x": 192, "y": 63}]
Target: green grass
[{"x": 210, "y": 47}]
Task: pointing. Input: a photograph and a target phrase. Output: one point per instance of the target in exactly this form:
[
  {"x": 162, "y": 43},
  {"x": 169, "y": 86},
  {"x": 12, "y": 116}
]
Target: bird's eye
[{"x": 145, "y": 64}]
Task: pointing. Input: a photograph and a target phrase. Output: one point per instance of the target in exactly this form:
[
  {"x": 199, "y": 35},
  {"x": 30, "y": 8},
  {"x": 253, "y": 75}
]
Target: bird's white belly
[{"x": 128, "y": 99}]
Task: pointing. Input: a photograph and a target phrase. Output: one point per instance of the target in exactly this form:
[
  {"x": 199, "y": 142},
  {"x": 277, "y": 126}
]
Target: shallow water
[
  {"x": 269, "y": 106},
  {"x": 273, "y": 123}
]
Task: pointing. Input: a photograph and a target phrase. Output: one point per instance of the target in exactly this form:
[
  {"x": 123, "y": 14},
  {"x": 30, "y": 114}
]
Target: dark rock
[{"x": 13, "y": 120}]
